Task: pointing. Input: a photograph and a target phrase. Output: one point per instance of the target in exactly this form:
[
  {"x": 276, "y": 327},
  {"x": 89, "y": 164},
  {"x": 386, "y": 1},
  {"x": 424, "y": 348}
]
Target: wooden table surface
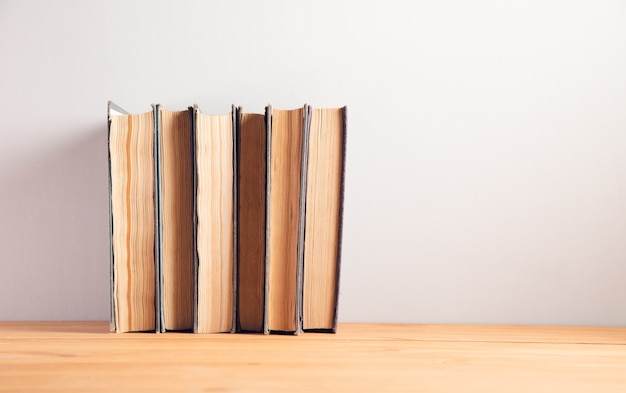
[{"x": 84, "y": 356}]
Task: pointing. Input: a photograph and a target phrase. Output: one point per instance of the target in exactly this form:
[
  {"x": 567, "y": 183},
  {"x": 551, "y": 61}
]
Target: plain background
[{"x": 486, "y": 172}]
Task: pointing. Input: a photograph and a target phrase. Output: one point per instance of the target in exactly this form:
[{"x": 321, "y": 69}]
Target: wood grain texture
[{"x": 75, "y": 356}]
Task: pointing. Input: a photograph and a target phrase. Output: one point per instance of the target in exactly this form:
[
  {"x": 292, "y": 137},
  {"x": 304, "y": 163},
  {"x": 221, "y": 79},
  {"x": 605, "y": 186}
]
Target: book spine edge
[
  {"x": 341, "y": 204},
  {"x": 268, "y": 157},
  {"x": 112, "y": 320},
  {"x": 306, "y": 126},
  {"x": 193, "y": 112},
  {"x": 235, "y": 112},
  {"x": 159, "y": 318}
]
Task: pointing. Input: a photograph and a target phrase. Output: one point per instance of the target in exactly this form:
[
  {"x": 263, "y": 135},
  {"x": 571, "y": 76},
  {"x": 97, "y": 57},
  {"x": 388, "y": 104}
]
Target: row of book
[{"x": 226, "y": 223}]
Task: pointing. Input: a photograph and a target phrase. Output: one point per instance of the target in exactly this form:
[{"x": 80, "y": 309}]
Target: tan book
[
  {"x": 251, "y": 205},
  {"x": 133, "y": 220},
  {"x": 323, "y": 218},
  {"x": 215, "y": 221},
  {"x": 284, "y": 229},
  {"x": 175, "y": 218}
]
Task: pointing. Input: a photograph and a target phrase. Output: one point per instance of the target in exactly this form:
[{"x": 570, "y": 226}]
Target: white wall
[{"x": 486, "y": 173}]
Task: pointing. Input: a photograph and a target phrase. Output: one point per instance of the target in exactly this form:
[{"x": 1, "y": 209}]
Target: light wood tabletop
[{"x": 84, "y": 356}]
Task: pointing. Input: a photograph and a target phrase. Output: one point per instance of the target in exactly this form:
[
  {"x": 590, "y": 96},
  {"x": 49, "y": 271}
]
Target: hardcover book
[
  {"x": 323, "y": 219},
  {"x": 286, "y": 181},
  {"x": 175, "y": 202},
  {"x": 133, "y": 205},
  {"x": 251, "y": 206},
  {"x": 215, "y": 218}
]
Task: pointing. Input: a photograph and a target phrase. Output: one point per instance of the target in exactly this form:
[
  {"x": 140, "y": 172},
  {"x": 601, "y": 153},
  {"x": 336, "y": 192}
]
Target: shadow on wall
[{"x": 54, "y": 233}]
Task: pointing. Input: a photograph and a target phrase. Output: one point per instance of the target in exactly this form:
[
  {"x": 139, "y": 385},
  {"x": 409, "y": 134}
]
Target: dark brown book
[
  {"x": 252, "y": 158},
  {"x": 176, "y": 218}
]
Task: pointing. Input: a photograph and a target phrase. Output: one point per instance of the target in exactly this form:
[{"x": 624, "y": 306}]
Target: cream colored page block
[
  {"x": 132, "y": 192},
  {"x": 322, "y": 218},
  {"x": 286, "y": 157},
  {"x": 118, "y": 140},
  {"x": 214, "y": 155}
]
